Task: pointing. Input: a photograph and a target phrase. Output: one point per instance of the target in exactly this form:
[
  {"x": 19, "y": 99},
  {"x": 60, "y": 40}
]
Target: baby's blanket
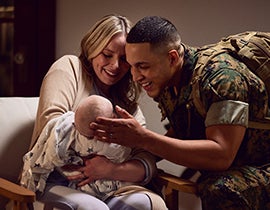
[{"x": 60, "y": 144}]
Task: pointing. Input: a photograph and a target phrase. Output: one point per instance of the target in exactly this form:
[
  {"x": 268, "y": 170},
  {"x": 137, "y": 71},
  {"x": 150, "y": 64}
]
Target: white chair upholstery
[{"x": 17, "y": 115}]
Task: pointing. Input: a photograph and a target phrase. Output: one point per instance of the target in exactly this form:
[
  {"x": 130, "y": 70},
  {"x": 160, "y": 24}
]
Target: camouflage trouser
[{"x": 244, "y": 188}]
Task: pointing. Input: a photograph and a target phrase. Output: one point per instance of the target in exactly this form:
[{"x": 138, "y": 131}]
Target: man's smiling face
[{"x": 150, "y": 69}]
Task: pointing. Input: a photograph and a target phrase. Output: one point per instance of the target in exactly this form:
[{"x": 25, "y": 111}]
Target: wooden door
[{"x": 28, "y": 36}]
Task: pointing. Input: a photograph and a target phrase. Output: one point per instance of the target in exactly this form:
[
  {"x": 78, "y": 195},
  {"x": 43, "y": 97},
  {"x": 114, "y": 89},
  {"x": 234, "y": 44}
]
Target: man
[{"x": 234, "y": 159}]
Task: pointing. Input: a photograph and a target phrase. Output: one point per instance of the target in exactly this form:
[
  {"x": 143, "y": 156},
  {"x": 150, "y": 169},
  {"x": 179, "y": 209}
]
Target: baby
[{"x": 83, "y": 146}]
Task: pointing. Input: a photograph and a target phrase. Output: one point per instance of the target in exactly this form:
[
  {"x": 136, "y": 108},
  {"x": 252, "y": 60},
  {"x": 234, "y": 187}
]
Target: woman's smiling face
[{"x": 110, "y": 65}]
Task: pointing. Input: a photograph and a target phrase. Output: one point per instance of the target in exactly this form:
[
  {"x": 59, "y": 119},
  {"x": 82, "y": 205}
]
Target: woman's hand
[
  {"x": 98, "y": 167},
  {"x": 124, "y": 131}
]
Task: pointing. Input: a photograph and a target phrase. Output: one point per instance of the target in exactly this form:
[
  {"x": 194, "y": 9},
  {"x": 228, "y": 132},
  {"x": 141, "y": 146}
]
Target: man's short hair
[{"x": 156, "y": 31}]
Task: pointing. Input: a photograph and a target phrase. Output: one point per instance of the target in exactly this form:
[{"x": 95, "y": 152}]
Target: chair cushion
[{"x": 17, "y": 115}]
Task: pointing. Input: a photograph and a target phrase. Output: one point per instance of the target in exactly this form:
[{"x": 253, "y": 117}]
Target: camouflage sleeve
[
  {"x": 224, "y": 84},
  {"x": 228, "y": 79},
  {"x": 222, "y": 81},
  {"x": 227, "y": 112}
]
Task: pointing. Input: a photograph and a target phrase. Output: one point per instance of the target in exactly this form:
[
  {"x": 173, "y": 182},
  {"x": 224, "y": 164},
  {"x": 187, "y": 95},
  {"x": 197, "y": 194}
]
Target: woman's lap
[
  {"x": 133, "y": 201},
  {"x": 70, "y": 199}
]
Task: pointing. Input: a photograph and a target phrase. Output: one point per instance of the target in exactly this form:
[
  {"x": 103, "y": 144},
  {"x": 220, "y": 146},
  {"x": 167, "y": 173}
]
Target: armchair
[{"x": 17, "y": 115}]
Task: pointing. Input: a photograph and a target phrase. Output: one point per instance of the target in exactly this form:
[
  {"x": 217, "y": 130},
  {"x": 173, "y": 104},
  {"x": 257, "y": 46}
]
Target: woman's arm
[
  {"x": 100, "y": 167},
  {"x": 59, "y": 90}
]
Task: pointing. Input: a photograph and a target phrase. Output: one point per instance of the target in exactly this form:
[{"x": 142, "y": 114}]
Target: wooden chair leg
[
  {"x": 19, "y": 205},
  {"x": 171, "y": 199}
]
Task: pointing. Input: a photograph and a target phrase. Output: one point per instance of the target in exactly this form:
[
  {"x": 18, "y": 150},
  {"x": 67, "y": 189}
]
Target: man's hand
[{"x": 125, "y": 131}]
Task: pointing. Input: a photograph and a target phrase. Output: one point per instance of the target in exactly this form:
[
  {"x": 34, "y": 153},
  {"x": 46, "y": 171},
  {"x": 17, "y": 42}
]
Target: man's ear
[{"x": 174, "y": 57}]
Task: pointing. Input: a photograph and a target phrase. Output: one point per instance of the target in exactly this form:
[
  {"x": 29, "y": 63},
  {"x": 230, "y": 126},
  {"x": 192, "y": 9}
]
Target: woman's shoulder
[
  {"x": 68, "y": 60},
  {"x": 67, "y": 64}
]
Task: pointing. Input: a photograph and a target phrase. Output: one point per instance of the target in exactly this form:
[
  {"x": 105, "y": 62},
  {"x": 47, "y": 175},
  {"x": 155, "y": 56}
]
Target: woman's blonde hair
[{"x": 125, "y": 92}]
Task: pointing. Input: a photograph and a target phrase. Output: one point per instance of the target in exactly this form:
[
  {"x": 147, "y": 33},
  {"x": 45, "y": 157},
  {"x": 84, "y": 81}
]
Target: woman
[{"x": 100, "y": 69}]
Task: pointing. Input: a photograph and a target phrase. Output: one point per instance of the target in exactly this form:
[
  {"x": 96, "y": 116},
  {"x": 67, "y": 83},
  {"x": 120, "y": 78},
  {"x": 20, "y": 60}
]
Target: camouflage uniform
[{"x": 246, "y": 184}]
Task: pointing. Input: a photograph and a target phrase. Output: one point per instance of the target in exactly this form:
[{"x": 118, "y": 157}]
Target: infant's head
[{"x": 87, "y": 111}]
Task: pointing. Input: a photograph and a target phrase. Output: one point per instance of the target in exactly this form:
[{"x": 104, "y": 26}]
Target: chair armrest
[
  {"x": 177, "y": 183},
  {"x": 16, "y": 192},
  {"x": 172, "y": 185}
]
